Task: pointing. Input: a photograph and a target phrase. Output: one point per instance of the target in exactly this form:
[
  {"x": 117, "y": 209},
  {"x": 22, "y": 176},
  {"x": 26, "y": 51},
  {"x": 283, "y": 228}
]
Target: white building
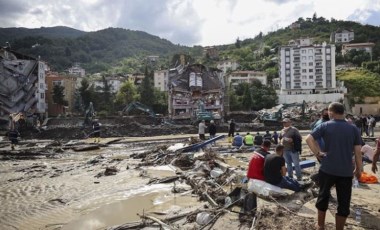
[
  {"x": 40, "y": 95},
  {"x": 161, "y": 79},
  {"x": 77, "y": 70},
  {"x": 227, "y": 65},
  {"x": 342, "y": 36},
  {"x": 113, "y": 82},
  {"x": 248, "y": 76},
  {"x": 306, "y": 72},
  {"x": 367, "y": 47}
]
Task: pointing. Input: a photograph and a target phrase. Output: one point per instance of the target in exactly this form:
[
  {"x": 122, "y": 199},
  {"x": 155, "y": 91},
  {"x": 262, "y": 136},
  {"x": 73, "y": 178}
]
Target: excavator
[
  {"x": 89, "y": 114},
  {"x": 202, "y": 114},
  {"x": 144, "y": 108}
]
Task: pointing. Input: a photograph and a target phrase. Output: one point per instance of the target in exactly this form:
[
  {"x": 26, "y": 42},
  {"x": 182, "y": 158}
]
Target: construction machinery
[
  {"x": 144, "y": 108},
  {"x": 274, "y": 117},
  {"x": 202, "y": 114},
  {"x": 89, "y": 114}
]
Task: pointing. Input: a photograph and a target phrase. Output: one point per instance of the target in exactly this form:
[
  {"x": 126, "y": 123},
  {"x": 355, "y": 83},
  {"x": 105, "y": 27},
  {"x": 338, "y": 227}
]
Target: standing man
[
  {"x": 371, "y": 125},
  {"x": 201, "y": 130},
  {"x": 96, "y": 130},
  {"x": 341, "y": 140},
  {"x": 231, "y": 130},
  {"x": 12, "y": 136},
  {"x": 287, "y": 137},
  {"x": 376, "y": 156},
  {"x": 212, "y": 129}
]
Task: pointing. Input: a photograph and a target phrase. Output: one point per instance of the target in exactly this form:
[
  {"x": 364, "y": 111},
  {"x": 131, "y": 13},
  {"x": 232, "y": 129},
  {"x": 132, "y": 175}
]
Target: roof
[
  {"x": 210, "y": 80},
  {"x": 359, "y": 44}
]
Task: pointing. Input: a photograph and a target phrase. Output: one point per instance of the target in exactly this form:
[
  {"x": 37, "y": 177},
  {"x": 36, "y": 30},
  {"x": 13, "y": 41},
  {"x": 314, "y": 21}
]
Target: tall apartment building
[
  {"x": 307, "y": 68},
  {"x": 161, "y": 80}
]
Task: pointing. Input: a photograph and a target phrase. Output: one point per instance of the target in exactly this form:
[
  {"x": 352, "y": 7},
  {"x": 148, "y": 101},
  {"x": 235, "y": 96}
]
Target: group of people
[
  {"x": 272, "y": 168},
  {"x": 257, "y": 140},
  {"x": 336, "y": 144}
]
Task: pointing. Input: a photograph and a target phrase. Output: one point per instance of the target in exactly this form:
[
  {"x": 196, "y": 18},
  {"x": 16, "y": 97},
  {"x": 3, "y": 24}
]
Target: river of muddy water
[{"x": 64, "y": 192}]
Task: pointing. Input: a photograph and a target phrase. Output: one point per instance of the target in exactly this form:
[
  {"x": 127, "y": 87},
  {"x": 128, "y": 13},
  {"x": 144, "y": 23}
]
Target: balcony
[
  {"x": 296, "y": 54},
  {"x": 297, "y": 87},
  {"x": 296, "y": 67},
  {"x": 297, "y": 74},
  {"x": 319, "y": 86},
  {"x": 297, "y": 80},
  {"x": 319, "y": 79},
  {"x": 296, "y": 60}
]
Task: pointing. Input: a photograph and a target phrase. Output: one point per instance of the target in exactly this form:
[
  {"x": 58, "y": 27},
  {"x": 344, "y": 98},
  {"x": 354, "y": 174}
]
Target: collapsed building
[
  {"x": 22, "y": 85},
  {"x": 195, "y": 89}
]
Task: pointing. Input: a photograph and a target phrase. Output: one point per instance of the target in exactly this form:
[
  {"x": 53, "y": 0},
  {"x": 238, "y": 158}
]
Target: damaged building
[
  {"x": 22, "y": 85},
  {"x": 195, "y": 89}
]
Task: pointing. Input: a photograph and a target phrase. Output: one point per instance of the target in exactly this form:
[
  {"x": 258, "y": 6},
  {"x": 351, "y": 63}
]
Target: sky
[{"x": 185, "y": 22}]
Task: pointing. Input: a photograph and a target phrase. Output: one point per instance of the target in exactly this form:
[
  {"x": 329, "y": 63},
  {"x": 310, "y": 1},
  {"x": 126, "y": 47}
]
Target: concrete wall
[{"x": 324, "y": 98}]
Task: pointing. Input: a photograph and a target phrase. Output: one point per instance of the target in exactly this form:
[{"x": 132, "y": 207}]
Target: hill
[
  {"x": 13, "y": 33},
  {"x": 96, "y": 51}
]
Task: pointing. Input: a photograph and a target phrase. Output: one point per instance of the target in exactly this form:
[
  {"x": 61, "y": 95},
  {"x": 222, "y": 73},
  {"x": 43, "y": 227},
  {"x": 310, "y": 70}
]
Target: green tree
[
  {"x": 59, "y": 96},
  {"x": 86, "y": 92},
  {"x": 246, "y": 100},
  {"x": 127, "y": 94},
  {"x": 146, "y": 89}
]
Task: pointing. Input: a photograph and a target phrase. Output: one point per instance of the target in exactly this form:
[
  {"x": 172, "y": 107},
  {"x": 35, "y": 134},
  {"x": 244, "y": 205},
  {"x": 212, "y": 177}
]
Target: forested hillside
[{"x": 96, "y": 51}]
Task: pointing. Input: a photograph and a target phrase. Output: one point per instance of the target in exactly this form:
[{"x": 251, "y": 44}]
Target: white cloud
[{"x": 189, "y": 22}]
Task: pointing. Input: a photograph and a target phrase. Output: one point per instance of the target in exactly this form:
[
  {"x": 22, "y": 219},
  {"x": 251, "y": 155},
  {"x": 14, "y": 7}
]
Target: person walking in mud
[
  {"x": 96, "y": 130},
  {"x": 13, "y": 134},
  {"x": 341, "y": 140}
]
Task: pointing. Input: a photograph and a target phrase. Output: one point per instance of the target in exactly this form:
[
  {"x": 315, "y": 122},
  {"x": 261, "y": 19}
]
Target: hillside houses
[{"x": 342, "y": 36}]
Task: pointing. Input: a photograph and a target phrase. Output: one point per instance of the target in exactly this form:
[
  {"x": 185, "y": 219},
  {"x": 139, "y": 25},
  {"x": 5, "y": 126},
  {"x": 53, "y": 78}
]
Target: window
[
  {"x": 304, "y": 76},
  {"x": 288, "y": 85},
  {"x": 311, "y": 83},
  {"x": 287, "y": 66},
  {"x": 303, "y": 51},
  {"x": 304, "y": 83},
  {"x": 311, "y": 58},
  {"x": 328, "y": 50},
  {"x": 287, "y": 78},
  {"x": 57, "y": 83},
  {"x": 297, "y": 84},
  {"x": 303, "y": 58},
  {"x": 287, "y": 53},
  {"x": 41, "y": 85},
  {"x": 310, "y": 51},
  {"x": 311, "y": 63},
  {"x": 287, "y": 72},
  {"x": 311, "y": 77},
  {"x": 42, "y": 95},
  {"x": 328, "y": 57},
  {"x": 41, "y": 76},
  {"x": 304, "y": 71},
  {"x": 287, "y": 59},
  {"x": 311, "y": 70},
  {"x": 303, "y": 64}
]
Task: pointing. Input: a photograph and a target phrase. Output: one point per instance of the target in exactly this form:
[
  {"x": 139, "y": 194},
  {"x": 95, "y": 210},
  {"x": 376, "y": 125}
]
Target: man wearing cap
[{"x": 287, "y": 136}]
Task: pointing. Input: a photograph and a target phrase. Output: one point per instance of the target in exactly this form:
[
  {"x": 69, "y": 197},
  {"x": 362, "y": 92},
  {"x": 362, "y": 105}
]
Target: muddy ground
[{"x": 53, "y": 184}]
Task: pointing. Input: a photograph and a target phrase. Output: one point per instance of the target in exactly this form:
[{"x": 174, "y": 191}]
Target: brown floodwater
[{"x": 63, "y": 193}]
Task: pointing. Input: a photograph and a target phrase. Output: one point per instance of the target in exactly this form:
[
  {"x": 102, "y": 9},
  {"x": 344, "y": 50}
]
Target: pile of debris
[{"x": 222, "y": 187}]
